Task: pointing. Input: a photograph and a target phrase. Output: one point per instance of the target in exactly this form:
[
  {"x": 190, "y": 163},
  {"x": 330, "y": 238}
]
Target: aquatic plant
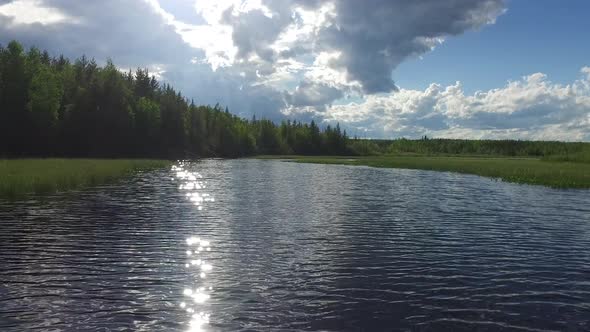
[{"x": 19, "y": 177}]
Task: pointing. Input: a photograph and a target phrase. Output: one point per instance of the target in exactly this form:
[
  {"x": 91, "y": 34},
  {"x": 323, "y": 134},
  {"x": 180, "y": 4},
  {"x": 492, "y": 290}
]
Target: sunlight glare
[{"x": 199, "y": 290}]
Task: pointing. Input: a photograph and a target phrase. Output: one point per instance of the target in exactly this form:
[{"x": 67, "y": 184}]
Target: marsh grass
[
  {"x": 19, "y": 177},
  {"x": 580, "y": 157},
  {"x": 557, "y": 174}
]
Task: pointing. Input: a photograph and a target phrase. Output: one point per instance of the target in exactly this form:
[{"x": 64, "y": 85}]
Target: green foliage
[
  {"x": 147, "y": 124},
  {"x": 519, "y": 170},
  {"x": 45, "y": 93},
  {"x": 510, "y": 148},
  {"x": 13, "y": 99},
  {"x": 362, "y": 147},
  {"x": 576, "y": 157},
  {"x": 51, "y": 107},
  {"x": 41, "y": 176}
]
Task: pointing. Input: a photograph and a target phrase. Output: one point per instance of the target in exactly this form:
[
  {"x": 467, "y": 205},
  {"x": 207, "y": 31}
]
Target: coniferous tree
[{"x": 52, "y": 107}]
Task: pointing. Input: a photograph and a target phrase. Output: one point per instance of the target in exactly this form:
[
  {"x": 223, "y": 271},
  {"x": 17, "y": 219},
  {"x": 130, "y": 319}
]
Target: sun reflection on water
[
  {"x": 198, "y": 292},
  {"x": 193, "y": 183}
]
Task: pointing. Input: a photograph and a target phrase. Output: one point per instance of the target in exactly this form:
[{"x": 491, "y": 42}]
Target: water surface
[{"x": 275, "y": 246}]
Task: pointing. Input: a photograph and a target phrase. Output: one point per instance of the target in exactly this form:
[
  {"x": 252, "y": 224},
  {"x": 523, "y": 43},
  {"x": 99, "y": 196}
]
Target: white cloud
[
  {"x": 373, "y": 37},
  {"x": 530, "y": 108},
  {"x": 305, "y": 58},
  {"x": 34, "y": 11},
  {"x": 345, "y": 44},
  {"x": 213, "y": 39}
]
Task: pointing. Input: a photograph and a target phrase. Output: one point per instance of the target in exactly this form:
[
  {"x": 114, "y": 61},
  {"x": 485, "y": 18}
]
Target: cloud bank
[
  {"x": 307, "y": 59},
  {"x": 530, "y": 108}
]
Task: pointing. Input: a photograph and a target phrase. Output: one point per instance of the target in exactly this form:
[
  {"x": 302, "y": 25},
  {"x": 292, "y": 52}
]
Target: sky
[{"x": 499, "y": 69}]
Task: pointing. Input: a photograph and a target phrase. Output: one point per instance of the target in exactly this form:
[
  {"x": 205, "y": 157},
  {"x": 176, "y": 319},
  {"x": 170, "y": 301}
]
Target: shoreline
[
  {"x": 22, "y": 177},
  {"x": 532, "y": 171}
]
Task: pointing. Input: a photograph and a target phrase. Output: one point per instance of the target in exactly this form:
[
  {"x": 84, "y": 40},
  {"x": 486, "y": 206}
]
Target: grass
[
  {"x": 580, "y": 157},
  {"x": 19, "y": 177},
  {"x": 557, "y": 174}
]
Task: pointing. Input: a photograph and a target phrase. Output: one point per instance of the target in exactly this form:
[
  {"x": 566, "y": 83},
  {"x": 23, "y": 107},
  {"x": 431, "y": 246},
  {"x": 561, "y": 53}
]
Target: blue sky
[
  {"x": 380, "y": 68},
  {"x": 547, "y": 36}
]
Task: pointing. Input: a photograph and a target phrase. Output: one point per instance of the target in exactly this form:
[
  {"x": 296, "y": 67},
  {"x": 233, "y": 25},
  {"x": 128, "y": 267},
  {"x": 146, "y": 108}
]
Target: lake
[{"x": 245, "y": 245}]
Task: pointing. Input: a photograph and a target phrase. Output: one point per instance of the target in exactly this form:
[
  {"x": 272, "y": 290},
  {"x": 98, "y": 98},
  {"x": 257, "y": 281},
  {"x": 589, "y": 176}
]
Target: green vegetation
[
  {"x": 41, "y": 176},
  {"x": 562, "y": 151},
  {"x": 50, "y": 107},
  {"x": 579, "y": 157},
  {"x": 554, "y": 164},
  {"x": 519, "y": 170}
]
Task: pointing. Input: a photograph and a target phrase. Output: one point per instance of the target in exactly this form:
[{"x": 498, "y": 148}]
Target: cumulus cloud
[
  {"x": 361, "y": 41},
  {"x": 365, "y": 40},
  {"x": 307, "y": 59},
  {"x": 135, "y": 33},
  {"x": 344, "y": 45},
  {"x": 32, "y": 11},
  {"x": 374, "y": 37},
  {"x": 130, "y": 32},
  {"x": 530, "y": 108},
  {"x": 312, "y": 94},
  {"x": 370, "y": 37}
]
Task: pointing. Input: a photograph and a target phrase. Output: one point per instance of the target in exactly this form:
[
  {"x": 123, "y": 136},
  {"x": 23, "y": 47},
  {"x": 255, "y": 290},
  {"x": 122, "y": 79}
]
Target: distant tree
[
  {"x": 13, "y": 101},
  {"x": 45, "y": 95},
  {"x": 147, "y": 126},
  {"x": 51, "y": 106}
]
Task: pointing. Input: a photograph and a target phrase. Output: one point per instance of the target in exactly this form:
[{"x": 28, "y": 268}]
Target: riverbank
[
  {"x": 19, "y": 177},
  {"x": 556, "y": 174}
]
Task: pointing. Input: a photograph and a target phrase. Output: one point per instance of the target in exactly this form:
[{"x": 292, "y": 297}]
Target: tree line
[
  {"x": 550, "y": 150},
  {"x": 50, "y": 106}
]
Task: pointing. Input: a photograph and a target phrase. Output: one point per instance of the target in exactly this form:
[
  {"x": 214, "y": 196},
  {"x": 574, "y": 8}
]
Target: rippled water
[{"x": 269, "y": 245}]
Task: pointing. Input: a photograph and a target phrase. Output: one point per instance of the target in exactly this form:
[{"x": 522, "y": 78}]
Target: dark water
[{"x": 282, "y": 247}]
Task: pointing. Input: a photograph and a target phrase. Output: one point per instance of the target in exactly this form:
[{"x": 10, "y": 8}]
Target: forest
[
  {"x": 53, "y": 107},
  {"x": 546, "y": 150}
]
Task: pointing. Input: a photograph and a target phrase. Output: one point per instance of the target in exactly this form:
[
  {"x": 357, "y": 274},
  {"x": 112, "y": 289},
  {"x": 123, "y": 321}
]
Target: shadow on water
[{"x": 266, "y": 245}]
